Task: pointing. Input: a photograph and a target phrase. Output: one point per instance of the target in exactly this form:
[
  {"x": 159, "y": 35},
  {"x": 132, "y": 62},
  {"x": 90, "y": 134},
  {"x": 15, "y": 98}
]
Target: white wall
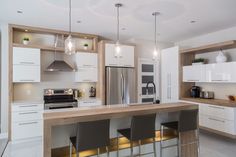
[
  {"x": 4, "y": 78},
  {"x": 219, "y": 36}
]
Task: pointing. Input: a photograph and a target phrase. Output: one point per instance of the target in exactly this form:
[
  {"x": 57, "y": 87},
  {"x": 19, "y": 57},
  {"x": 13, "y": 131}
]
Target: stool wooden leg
[
  {"x": 70, "y": 149},
  {"x": 154, "y": 147},
  {"x": 117, "y": 144}
]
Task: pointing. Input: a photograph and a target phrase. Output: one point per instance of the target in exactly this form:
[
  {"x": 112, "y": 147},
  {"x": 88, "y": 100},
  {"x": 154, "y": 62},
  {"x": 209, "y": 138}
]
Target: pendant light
[
  {"x": 70, "y": 46},
  {"x": 155, "y": 52},
  {"x": 117, "y": 46}
]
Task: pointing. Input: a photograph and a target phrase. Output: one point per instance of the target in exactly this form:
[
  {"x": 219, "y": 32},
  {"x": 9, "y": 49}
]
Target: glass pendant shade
[
  {"x": 70, "y": 46},
  {"x": 155, "y": 53},
  {"x": 117, "y": 49}
]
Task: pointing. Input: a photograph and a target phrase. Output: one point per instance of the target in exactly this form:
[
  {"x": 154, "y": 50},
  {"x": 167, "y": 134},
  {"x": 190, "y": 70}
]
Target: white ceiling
[{"x": 99, "y": 16}]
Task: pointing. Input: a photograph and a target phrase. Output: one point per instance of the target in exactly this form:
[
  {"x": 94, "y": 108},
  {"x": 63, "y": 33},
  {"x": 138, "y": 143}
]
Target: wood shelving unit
[
  {"x": 49, "y": 48},
  {"x": 212, "y": 47},
  {"x": 186, "y": 57}
]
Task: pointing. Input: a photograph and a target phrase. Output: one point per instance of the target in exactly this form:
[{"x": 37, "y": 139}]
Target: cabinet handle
[
  {"x": 219, "y": 80},
  {"x": 217, "y": 107},
  {"x": 193, "y": 80},
  {"x": 87, "y": 65},
  {"x": 216, "y": 120},
  {"x": 23, "y": 113},
  {"x": 28, "y": 80},
  {"x": 29, "y": 106},
  {"x": 27, "y": 62},
  {"x": 28, "y": 123}
]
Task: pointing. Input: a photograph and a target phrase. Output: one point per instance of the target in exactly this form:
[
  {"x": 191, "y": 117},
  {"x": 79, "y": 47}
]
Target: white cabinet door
[
  {"x": 195, "y": 73},
  {"x": 220, "y": 72},
  {"x": 170, "y": 75},
  {"x": 86, "y": 60},
  {"x": 110, "y": 58},
  {"x": 86, "y": 75},
  {"x": 26, "y": 56},
  {"x": 127, "y": 56},
  {"x": 89, "y": 103},
  {"x": 26, "y": 73}
]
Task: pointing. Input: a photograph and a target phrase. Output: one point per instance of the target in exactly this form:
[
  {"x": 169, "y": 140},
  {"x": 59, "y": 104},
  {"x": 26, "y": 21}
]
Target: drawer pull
[
  {"x": 23, "y": 113},
  {"x": 27, "y": 62},
  {"x": 29, "y": 106},
  {"x": 216, "y": 120},
  {"x": 28, "y": 123},
  {"x": 216, "y": 107},
  {"x": 28, "y": 80}
]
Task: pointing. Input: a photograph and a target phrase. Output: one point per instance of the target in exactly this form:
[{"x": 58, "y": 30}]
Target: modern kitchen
[{"x": 117, "y": 78}]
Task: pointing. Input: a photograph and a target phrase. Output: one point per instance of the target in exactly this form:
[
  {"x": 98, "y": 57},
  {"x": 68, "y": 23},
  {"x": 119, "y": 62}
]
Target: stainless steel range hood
[{"x": 59, "y": 65}]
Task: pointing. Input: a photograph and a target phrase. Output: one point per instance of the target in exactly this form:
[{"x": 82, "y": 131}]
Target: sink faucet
[{"x": 154, "y": 91}]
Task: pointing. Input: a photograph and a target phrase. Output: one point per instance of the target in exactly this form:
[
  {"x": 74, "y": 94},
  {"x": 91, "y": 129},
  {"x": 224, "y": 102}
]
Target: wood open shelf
[
  {"x": 124, "y": 144},
  {"x": 48, "y": 48},
  {"x": 212, "y": 47}
]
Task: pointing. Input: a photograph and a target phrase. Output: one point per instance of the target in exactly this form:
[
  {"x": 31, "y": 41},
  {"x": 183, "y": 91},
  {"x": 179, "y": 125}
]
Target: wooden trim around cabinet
[{"x": 212, "y": 47}]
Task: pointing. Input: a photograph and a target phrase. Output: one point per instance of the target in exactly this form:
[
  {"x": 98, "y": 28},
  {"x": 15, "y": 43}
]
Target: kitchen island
[{"x": 74, "y": 115}]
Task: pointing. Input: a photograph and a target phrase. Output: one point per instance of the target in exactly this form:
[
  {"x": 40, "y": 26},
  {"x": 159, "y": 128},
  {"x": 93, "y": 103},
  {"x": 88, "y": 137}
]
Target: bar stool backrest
[
  {"x": 143, "y": 127},
  {"x": 94, "y": 134},
  {"x": 188, "y": 120}
]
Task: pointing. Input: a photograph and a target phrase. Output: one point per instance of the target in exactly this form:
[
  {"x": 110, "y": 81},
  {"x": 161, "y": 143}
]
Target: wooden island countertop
[{"x": 69, "y": 116}]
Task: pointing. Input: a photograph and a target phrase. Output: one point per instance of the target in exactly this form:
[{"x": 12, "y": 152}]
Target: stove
[{"x": 59, "y": 98}]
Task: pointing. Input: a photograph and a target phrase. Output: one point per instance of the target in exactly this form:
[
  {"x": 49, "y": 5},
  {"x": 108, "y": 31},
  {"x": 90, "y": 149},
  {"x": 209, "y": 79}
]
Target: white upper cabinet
[
  {"x": 86, "y": 60},
  {"x": 26, "y": 65},
  {"x": 87, "y": 67},
  {"x": 220, "y": 72},
  {"x": 195, "y": 73},
  {"x": 126, "y": 58},
  {"x": 26, "y": 56}
]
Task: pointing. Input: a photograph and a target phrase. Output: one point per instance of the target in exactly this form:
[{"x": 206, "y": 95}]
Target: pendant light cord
[
  {"x": 155, "y": 31},
  {"x": 70, "y": 16},
  {"x": 118, "y": 23}
]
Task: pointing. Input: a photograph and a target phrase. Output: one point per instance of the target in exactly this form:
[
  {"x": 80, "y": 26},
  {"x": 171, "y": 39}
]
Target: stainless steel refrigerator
[{"x": 120, "y": 85}]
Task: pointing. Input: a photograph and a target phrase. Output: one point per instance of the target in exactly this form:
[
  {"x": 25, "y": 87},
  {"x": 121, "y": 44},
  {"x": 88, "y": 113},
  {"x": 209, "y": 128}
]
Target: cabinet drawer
[
  {"x": 26, "y": 115},
  {"x": 26, "y": 73},
  {"x": 217, "y": 124},
  {"x": 27, "y": 107},
  {"x": 88, "y": 103},
  {"x": 26, "y": 56},
  {"x": 217, "y": 111},
  {"x": 28, "y": 129}
]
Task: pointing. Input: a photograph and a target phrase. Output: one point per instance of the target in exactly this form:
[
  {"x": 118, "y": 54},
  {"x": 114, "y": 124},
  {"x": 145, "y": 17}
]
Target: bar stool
[
  {"x": 188, "y": 121},
  {"x": 91, "y": 135},
  {"x": 142, "y": 127}
]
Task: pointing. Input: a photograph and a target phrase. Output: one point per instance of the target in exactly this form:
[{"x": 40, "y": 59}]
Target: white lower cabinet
[
  {"x": 27, "y": 121},
  {"x": 218, "y": 118}
]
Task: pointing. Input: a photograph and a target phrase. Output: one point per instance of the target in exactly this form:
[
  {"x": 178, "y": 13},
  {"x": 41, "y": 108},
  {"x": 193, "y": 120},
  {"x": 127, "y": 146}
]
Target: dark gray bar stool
[
  {"x": 142, "y": 127},
  {"x": 91, "y": 135},
  {"x": 188, "y": 121}
]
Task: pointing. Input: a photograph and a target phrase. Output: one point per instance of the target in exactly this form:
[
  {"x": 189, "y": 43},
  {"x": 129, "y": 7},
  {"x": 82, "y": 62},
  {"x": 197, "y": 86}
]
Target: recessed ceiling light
[
  {"x": 193, "y": 21},
  {"x": 26, "y": 30},
  {"x": 19, "y": 11},
  {"x": 78, "y": 21},
  {"x": 123, "y": 29}
]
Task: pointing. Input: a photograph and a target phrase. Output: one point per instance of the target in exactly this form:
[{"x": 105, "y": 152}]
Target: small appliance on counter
[
  {"x": 59, "y": 98},
  {"x": 195, "y": 91},
  {"x": 92, "y": 92},
  {"x": 207, "y": 95}
]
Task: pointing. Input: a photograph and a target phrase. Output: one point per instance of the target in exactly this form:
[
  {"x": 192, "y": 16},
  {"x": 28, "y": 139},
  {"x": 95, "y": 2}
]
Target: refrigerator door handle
[
  {"x": 123, "y": 96},
  {"x": 122, "y": 90}
]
